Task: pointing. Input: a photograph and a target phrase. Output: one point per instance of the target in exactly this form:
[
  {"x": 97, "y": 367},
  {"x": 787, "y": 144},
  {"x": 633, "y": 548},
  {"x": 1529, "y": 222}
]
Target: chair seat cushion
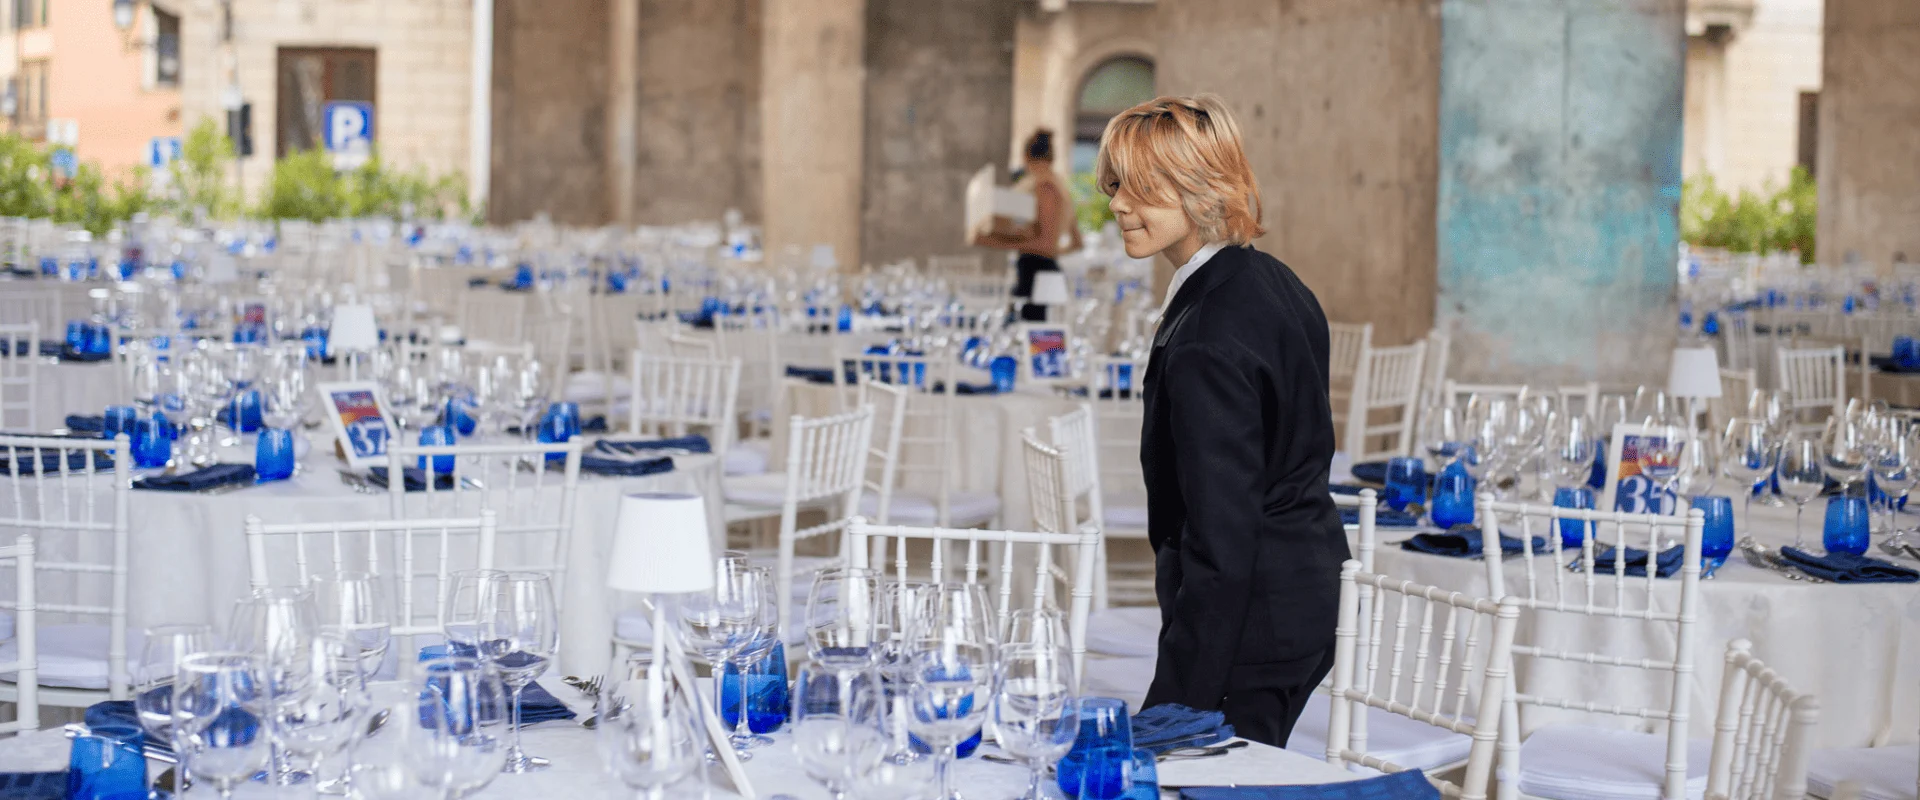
[
  {"x": 1882, "y": 773},
  {"x": 964, "y": 509},
  {"x": 1394, "y": 738},
  {"x": 1124, "y": 512},
  {"x": 764, "y": 490},
  {"x": 1577, "y": 762},
  {"x": 1124, "y": 631},
  {"x": 750, "y": 457},
  {"x": 74, "y": 656}
]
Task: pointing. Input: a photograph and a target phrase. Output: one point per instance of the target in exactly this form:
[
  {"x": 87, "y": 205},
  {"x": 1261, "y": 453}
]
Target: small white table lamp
[
  {"x": 1050, "y": 289},
  {"x": 353, "y": 331},
  {"x": 1695, "y": 374}
]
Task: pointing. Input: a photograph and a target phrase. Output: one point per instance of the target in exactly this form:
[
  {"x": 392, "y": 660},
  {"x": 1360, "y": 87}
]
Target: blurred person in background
[{"x": 1040, "y": 244}]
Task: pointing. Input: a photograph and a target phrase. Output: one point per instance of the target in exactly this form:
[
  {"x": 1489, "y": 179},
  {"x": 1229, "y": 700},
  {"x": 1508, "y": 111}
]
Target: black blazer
[{"x": 1236, "y": 446}]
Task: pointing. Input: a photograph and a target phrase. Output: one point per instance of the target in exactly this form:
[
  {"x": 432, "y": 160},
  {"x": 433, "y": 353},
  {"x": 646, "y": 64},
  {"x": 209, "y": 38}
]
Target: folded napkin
[
  {"x": 478, "y": 281},
  {"x": 1464, "y": 542},
  {"x": 695, "y": 443},
  {"x": 198, "y": 480},
  {"x": 1170, "y": 725},
  {"x": 537, "y": 705},
  {"x": 415, "y": 477},
  {"x": 1384, "y": 517},
  {"x": 1848, "y": 568},
  {"x": 70, "y": 354},
  {"x": 1666, "y": 564},
  {"x": 1409, "y": 785},
  {"x": 1125, "y": 394},
  {"x": 1375, "y": 472},
  {"x": 33, "y": 785},
  {"x": 625, "y": 466},
  {"x": 811, "y": 374},
  {"x": 86, "y": 423},
  {"x": 975, "y": 388},
  {"x": 46, "y": 348},
  {"x": 594, "y": 425},
  {"x": 50, "y": 461},
  {"x": 119, "y": 715}
]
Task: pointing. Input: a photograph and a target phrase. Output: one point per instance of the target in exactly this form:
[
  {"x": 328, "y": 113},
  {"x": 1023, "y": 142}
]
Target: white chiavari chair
[
  {"x": 1560, "y": 758},
  {"x": 1815, "y": 378},
  {"x": 924, "y": 490},
  {"x": 1117, "y": 394},
  {"x": 1388, "y": 381},
  {"x": 1006, "y": 580},
  {"x": 494, "y": 316},
  {"x": 19, "y": 377},
  {"x": 1347, "y": 343},
  {"x": 531, "y": 488},
  {"x": 1433, "y": 372},
  {"x": 1761, "y": 733},
  {"x": 71, "y": 495},
  {"x": 412, "y": 557},
  {"x": 826, "y": 466},
  {"x": 612, "y": 334},
  {"x": 677, "y": 396},
  {"x": 889, "y": 403},
  {"x": 688, "y": 345},
  {"x": 1736, "y": 385},
  {"x": 20, "y": 663},
  {"x": 1460, "y": 647},
  {"x": 754, "y": 339},
  {"x": 551, "y": 338},
  {"x": 37, "y": 307}
]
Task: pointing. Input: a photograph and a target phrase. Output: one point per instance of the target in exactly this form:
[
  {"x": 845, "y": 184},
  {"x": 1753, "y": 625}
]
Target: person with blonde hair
[{"x": 1238, "y": 432}]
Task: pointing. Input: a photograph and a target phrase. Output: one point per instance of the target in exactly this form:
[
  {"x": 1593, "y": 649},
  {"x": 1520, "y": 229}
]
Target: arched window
[{"x": 1116, "y": 85}]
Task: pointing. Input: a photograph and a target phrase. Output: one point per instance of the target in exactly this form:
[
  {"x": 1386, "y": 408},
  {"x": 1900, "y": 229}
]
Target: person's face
[{"x": 1147, "y": 229}]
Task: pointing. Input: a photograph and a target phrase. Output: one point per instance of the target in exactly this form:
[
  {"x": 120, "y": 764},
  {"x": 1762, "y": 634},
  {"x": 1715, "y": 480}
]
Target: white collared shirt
[{"x": 1180, "y": 276}]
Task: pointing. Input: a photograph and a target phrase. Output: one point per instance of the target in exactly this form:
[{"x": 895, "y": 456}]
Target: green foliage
[
  {"x": 25, "y": 186},
  {"x": 1089, "y": 203},
  {"x": 305, "y": 186},
  {"x": 89, "y": 202},
  {"x": 203, "y": 173},
  {"x": 1781, "y": 220}
]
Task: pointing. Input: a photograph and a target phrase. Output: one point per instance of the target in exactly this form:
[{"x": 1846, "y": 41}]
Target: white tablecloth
[
  {"x": 73, "y": 388},
  {"x": 1857, "y": 646}
]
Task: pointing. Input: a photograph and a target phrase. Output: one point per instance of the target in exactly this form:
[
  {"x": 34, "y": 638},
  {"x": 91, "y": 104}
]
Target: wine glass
[
  {"x": 323, "y": 716},
  {"x": 1569, "y": 445},
  {"x": 1442, "y": 435},
  {"x": 1659, "y": 453},
  {"x": 353, "y": 607},
  {"x": 837, "y": 725},
  {"x": 951, "y": 682},
  {"x": 1699, "y": 466},
  {"x": 1896, "y": 470},
  {"x": 842, "y": 618},
  {"x": 519, "y": 636},
  {"x": 1847, "y": 449},
  {"x": 461, "y": 611},
  {"x": 647, "y": 733},
  {"x": 167, "y": 646},
  {"x": 1802, "y": 476},
  {"x": 1748, "y": 456},
  {"x": 1035, "y": 715},
  {"x": 724, "y": 623},
  {"x": 148, "y": 376},
  {"x": 765, "y": 635},
  {"x": 218, "y": 701},
  {"x": 461, "y": 705},
  {"x": 287, "y": 399},
  {"x": 277, "y": 626},
  {"x": 527, "y": 394}
]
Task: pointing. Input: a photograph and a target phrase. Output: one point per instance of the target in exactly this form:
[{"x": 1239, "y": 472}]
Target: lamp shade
[
  {"x": 1050, "y": 288},
  {"x": 661, "y": 545},
  {"x": 1695, "y": 373},
  {"x": 353, "y": 329}
]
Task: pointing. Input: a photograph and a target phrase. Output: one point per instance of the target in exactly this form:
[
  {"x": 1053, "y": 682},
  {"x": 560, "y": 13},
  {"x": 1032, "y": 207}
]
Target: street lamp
[{"x": 123, "y": 14}]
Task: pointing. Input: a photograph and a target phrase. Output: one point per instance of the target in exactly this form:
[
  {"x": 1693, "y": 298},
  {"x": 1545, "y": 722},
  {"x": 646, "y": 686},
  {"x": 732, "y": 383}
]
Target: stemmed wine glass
[
  {"x": 765, "y": 635},
  {"x": 1570, "y": 445},
  {"x": 649, "y": 736},
  {"x": 324, "y": 715},
  {"x": 519, "y": 637},
  {"x": 1802, "y": 476},
  {"x": 1659, "y": 454},
  {"x": 277, "y": 625},
  {"x": 353, "y": 607},
  {"x": 527, "y": 395},
  {"x": 843, "y": 618},
  {"x": 837, "y": 725},
  {"x": 1699, "y": 466},
  {"x": 1847, "y": 449},
  {"x": 952, "y": 674},
  {"x": 460, "y": 707},
  {"x": 462, "y": 612},
  {"x": 166, "y": 648},
  {"x": 1443, "y": 433},
  {"x": 1896, "y": 470},
  {"x": 1035, "y": 714},
  {"x": 1748, "y": 456},
  {"x": 219, "y": 699},
  {"x": 723, "y": 624}
]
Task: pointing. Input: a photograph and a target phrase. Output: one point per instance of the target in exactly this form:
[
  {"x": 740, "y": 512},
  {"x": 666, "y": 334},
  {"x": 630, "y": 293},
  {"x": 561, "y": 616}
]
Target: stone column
[
  {"x": 549, "y": 111},
  {"x": 812, "y": 111},
  {"x": 1335, "y": 100},
  {"x": 1558, "y": 215},
  {"x": 1869, "y": 159},
  {"x": 623, "y": 107}
]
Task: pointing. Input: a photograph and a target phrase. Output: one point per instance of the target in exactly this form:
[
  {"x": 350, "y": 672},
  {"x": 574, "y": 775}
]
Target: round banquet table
[
  {"x": 1899, "y": 389},
  {"x": 578, "y": 770},
  {"x": 188, "y": 553},
  {"x": 1855, "y": 646}
]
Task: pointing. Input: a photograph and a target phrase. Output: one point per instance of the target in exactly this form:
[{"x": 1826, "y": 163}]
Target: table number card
[
  {"x": 1626, "y": 489},
  {"x": 1045, "y": 358},
  {"x": 360, "y": 421}
]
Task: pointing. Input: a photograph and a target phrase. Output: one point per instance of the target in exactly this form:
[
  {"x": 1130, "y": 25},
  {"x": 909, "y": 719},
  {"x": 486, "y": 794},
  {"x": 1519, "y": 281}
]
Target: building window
[
  {"x": 31, "y": 108},
  {"x": 30, "y": 13},
  {"x": 309, "y": 79},
  {"x": 166, "y": 48},
  {"x": 1115, "y": 86},
  {"x": 1809, "y": 130}
]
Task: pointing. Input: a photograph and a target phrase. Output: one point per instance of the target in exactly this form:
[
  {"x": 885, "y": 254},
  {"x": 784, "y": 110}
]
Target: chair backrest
[
  {"x": 1815, "y": 377},
  {"x": 37, "y": 307},
  {"x": 1037, "y": 559},
  {"x": 754, "y": 339},
  {"x": 1346, "y": 343},
  {"x": 669, "y": 396},
  {"x": 1459, "y": 647},
  {"x": 1388, "y": 380},
  {"x": 1119, "y": 405},
  {"x": 26, "y": 657},
  {"x": 388, "y": 549},
  {"x": 687, "y": 345},
  {"x": 531, "y": 487},
  {"x": 889, "y": 403},
  {"x": 1736, "y": 385},
  {"x": 19, "y": 376},
  {"x": 493, "y": 315},
  {"x": 1049, "y": 485},
  {"x": 826, "y": 465},
  {"x": 924, "y": 461},
  {"x": 71, "y": 495},
  {"x": 1615, "y": 597},
  {"x": 1762, "y": 732}
]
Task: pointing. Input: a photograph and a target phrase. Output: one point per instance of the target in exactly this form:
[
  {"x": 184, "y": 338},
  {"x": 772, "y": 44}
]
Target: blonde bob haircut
[{"x": 1185, "y": 151}]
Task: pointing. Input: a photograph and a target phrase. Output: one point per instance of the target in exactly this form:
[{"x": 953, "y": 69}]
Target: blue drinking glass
[
  {"x": 523, "y": 276},
  {"x": 1406, "y": 482},
  {"x": 767, "y": 698},
  {"x": 152, "y": 443},
  {"x": 273, "y": 455},
  {"x": 1906, "y": 352},
  {"x": 1099, "y": 765},
  {"x": 99, "y": 340},
  {"x": 1003, "y": 369},
  {"x": 77, "y": 335},
  {"x": 119, "y": 420},
  {"x": 1846, "y": 528},
  {"x": 316, "y": 341},
  {"x": 1453, "y": 497},
  {"x": 107, "y": 767},
  {"x": 1144, "y": 776},
  {"x": 433, "y": 435},
  {"x": 1573, "y": 531},
  {"x": 845, "y": 321},
  {"x": 459, "y": 414},
  {"x": 570, "y": 413},
  {"x": 1716, "y": 540}
]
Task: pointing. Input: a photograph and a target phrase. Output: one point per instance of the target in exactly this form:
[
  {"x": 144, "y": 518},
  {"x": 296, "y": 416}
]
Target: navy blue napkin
[
  {"x": 1382, "y": 518},
  {"x": 811, "y": 374},
  {"x": 626, "y": 467},
  {"x": 46, "y": 348},
  {"x": 594, "y": 425},
  {"x": 50, "y": 460},
  {"x": 86, "y": 423},
  {"x": 1375, "y": 472},
  {"x": 1666, "y": 565},
  {"x": 198, "y": 480},
  {"x": 1345, "y": 488},
  {"x": 1409, "y": 785},
  {"x": 415, "y": 477},
  {"x": 478, "y": 281},
  {"x": 1848, "y": 568},
  {"x": 109, "y": 715},
  {"x": 1170, "y": 725},
  {"x": 537, "y": 705},
  {"x": 70, "y": 354},
  {"x": 1463, "y": 541},
  {"x": 695, "y": 443},
  {"x": 975, "y": 388},
  {"x": 33, "y": 785}
]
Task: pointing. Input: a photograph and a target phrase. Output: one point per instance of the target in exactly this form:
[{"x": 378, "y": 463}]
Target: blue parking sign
[
  {"x": 65, "y": 162},
  {"x": 162, "y": 150},
  {"x": 348, "y": 127}
]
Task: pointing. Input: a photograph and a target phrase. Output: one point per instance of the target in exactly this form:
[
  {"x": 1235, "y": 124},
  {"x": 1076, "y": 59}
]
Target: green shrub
[
  {"x": 1770, "y": 221},
  {"x": 1089, "y": 203},
  {"x": 203, "y": 175}
]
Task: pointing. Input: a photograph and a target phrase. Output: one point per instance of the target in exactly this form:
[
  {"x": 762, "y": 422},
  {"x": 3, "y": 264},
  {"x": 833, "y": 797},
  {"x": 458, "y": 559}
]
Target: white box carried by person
[{"x": 994, "y": 209}]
